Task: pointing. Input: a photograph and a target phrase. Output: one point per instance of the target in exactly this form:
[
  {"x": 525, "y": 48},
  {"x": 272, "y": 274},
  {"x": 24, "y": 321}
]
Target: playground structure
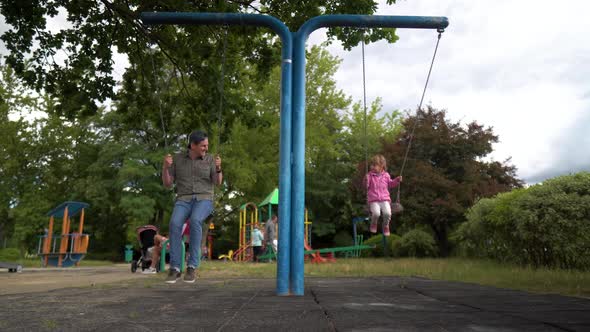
[
  {"x": 354, "y": 251},
  {"x": 73, "y": 246},
  {"x": 249, "y": 217},
  {"x": 165, "y": 244},
  {"x": 273, "y": 200}
]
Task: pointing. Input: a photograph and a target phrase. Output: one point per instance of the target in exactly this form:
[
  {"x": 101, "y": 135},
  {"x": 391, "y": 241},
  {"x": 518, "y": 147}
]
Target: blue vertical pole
[
  {"x": 284, "y": 246},
  {"x": 298, "y": 168}
]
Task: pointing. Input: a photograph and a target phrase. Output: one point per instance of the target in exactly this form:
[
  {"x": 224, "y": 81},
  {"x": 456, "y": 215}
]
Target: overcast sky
[{"x": 521, "y": 67}]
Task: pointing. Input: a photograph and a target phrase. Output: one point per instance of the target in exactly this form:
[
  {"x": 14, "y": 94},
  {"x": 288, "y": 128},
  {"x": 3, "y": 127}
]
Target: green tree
[
  {"x": 48, "y": 159},
  {"x": 445, "y": 172},
  {"x": 19, "y": 167},
  {"x": 326, "y": 195}
]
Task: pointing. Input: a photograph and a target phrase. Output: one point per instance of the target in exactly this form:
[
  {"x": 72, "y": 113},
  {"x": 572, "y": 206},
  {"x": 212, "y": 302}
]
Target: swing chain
[{"x": 366, "y": 142}]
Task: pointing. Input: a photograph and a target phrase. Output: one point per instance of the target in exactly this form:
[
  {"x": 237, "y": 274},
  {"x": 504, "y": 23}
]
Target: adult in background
[
  {"x": 270, "y": 233},
  {"x": 194, "y": 173}
]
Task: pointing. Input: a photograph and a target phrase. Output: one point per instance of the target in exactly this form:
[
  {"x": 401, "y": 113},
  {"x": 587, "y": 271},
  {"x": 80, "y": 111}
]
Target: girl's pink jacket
[{"x": 378, "y": 185}]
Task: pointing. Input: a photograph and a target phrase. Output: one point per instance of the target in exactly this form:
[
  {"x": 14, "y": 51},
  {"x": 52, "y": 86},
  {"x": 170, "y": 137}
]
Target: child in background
[
  {"x": 257, "y": 239},
  {"x": 378, "y": 182}
]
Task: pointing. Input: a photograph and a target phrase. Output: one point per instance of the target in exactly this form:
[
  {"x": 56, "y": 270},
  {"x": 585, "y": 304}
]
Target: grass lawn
[{"x": 484, "y": 272}]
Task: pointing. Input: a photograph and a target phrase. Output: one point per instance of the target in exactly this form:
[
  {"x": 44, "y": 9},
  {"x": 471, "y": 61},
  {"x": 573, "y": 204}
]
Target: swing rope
[
  {"x": 397, "y": 207},
  {"x": 365, "y": 107},
  {"x": 221, "y": 92},
  {"x": 440, "y": 31},
  {"x": 159, "y": 101}
]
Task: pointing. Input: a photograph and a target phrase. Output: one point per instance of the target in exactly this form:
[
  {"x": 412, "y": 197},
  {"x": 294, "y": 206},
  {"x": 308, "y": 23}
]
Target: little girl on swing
[{"x": 378, "y": 182}]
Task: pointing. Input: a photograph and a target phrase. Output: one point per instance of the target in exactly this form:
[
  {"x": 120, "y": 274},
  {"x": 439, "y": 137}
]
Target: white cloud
[{"x": 518, "y": 66}]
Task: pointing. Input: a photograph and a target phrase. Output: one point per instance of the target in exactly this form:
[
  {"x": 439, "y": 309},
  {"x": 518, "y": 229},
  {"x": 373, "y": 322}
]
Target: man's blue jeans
[{"x": 198, "y": 211}]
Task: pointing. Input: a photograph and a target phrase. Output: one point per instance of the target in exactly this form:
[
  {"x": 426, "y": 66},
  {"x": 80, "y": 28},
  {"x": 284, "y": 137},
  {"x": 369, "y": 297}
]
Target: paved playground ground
[{"x": 113, "y": 299}]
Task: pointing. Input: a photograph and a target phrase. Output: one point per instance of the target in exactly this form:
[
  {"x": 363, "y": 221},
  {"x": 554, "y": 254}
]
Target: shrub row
[{"x": 544, "y": 225}]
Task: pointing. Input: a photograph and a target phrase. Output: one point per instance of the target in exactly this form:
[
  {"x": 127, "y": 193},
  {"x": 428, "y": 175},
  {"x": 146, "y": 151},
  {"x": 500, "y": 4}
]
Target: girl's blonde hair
[{"x": 379, "y": 160}]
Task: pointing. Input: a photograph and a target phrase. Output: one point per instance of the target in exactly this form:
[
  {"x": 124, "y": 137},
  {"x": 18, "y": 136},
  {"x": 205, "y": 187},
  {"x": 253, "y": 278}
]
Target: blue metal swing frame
[{"x": 290, "y": 280}]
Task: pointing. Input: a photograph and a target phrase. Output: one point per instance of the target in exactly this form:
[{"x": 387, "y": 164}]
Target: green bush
[
  {"x": 488, "y": 228},
  {"x": 415, "y": 243},
  {"x": 468, "y": 239},
  {"x": 343, "y": 239},
  {"x": 9, "y": 255},
  {"x": 545, "y": 225},
  {"x": 377, "y": 241}
]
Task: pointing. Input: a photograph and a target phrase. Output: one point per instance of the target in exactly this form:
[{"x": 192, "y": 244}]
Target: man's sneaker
[
  {"x": 373, "y": 227},
  {"x": 386, "y": 230},
  {"x": 173, "y": 276},
  {"x": 189, "y": 276},
  {"x": 149, "y": 270}
]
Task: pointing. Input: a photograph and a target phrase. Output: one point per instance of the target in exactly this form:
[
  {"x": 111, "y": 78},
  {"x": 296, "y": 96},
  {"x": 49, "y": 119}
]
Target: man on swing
[{"x": 195, "y": 173}]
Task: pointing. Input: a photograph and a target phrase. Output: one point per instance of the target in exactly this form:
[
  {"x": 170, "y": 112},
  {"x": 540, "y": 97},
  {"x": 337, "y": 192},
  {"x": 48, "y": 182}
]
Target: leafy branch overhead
[{"x": 67, "y": 48}]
